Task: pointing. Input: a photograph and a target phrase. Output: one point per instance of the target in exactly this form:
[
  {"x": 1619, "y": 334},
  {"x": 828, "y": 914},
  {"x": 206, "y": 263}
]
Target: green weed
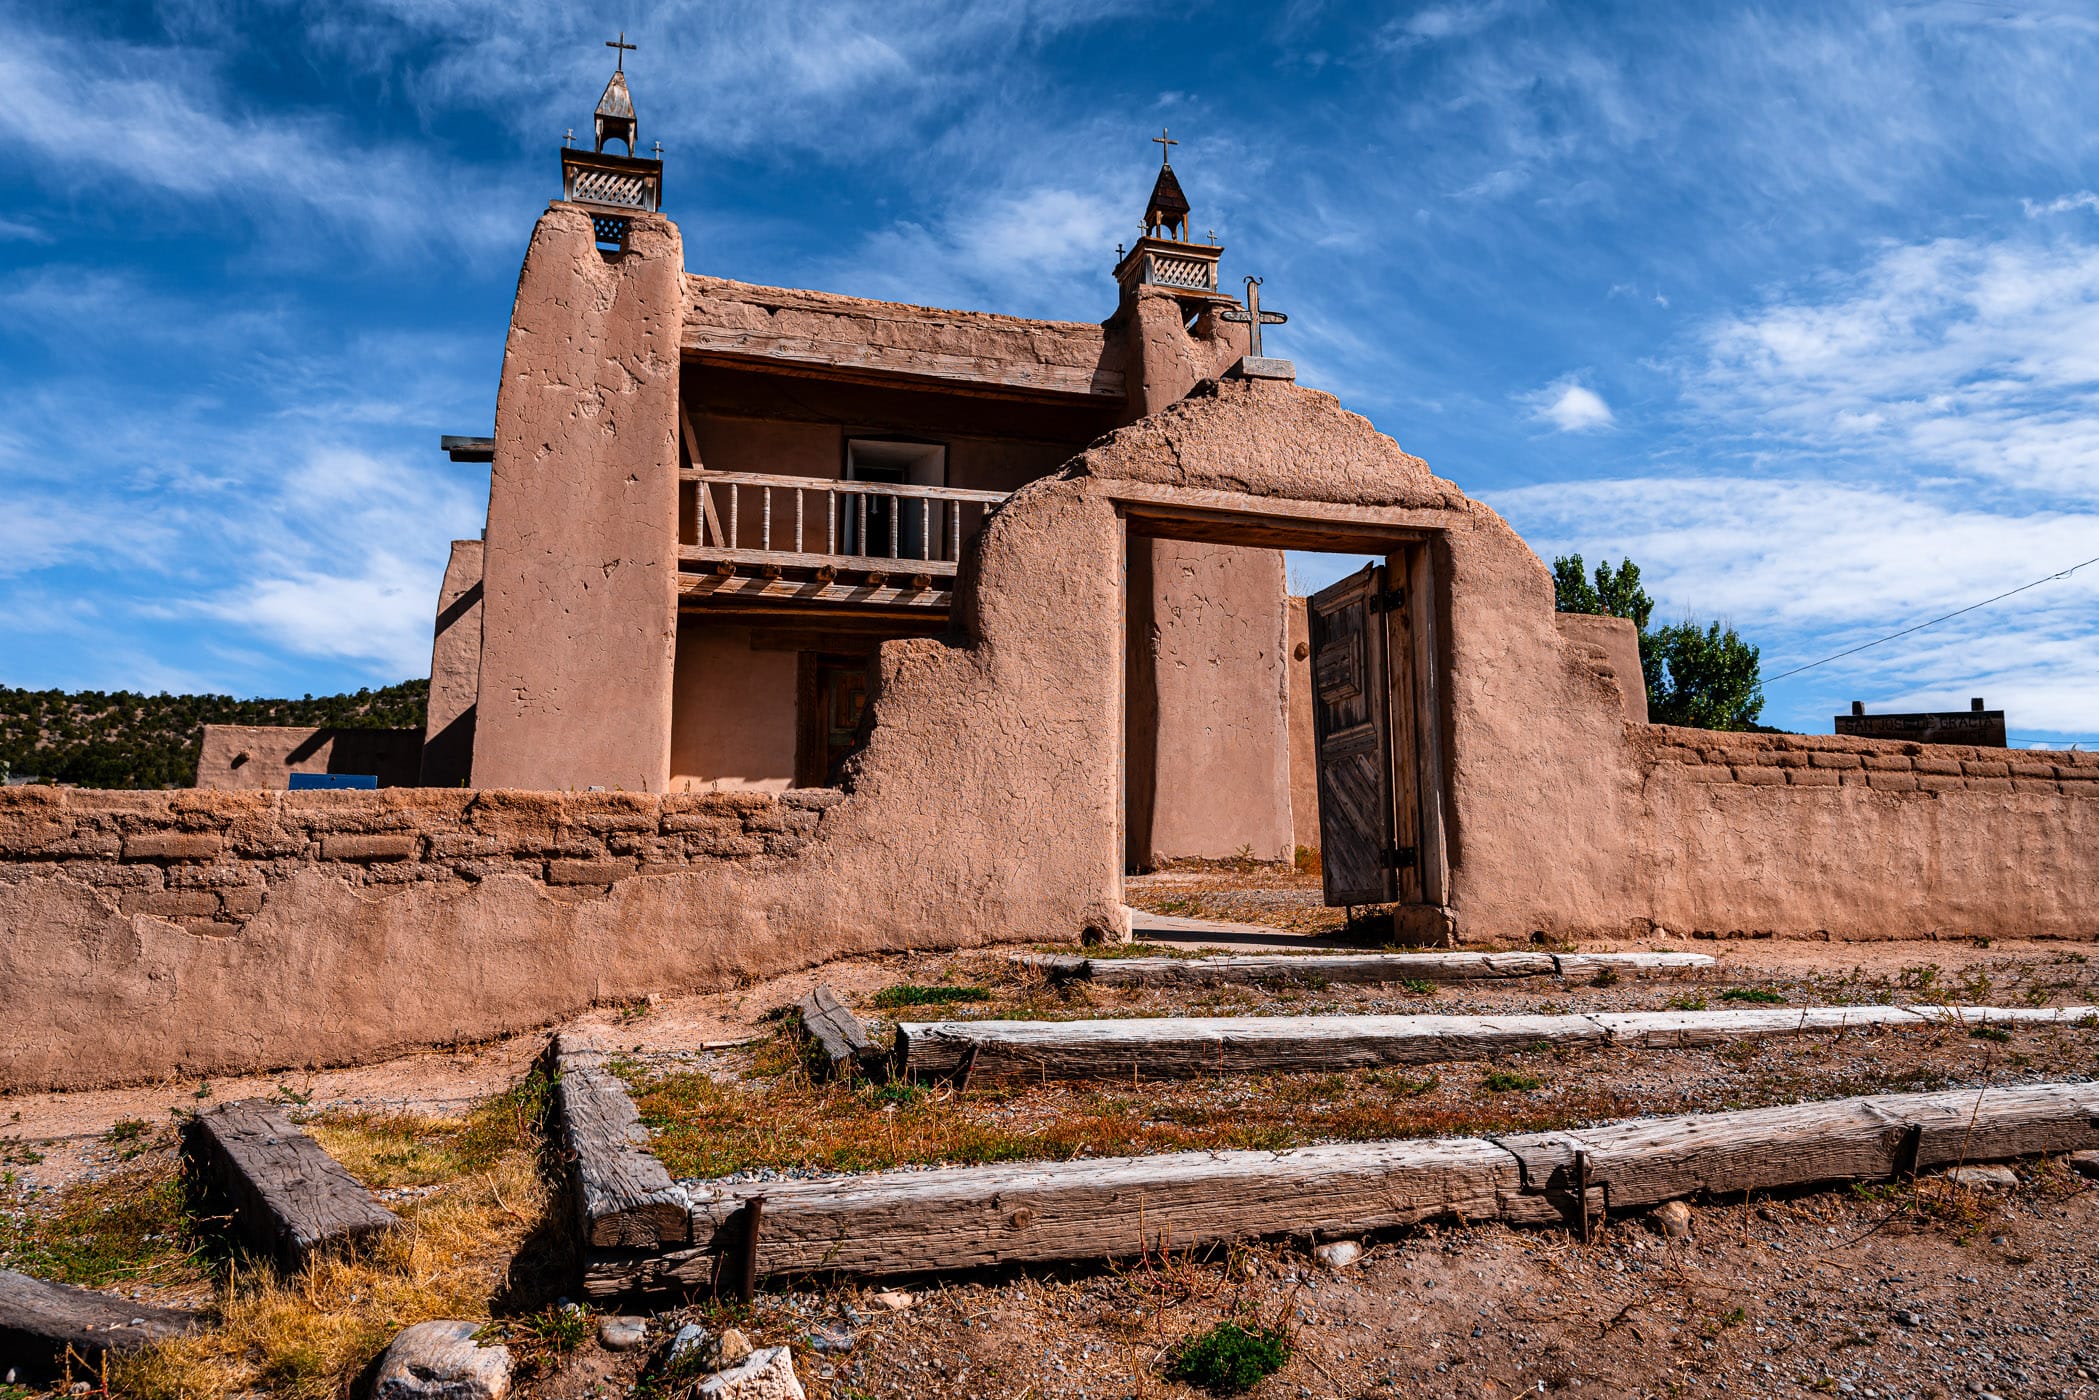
[{"x": 1230, "y": 1359}]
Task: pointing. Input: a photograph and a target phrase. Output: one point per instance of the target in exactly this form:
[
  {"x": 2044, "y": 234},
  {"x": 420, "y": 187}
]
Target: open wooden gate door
[{"x": 1363, "y": 725}]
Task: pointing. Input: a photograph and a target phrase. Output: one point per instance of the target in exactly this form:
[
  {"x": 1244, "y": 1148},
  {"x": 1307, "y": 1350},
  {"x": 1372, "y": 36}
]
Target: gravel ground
[
  {"x": 1925, "y": 1292},
  {"x": 1937, "y": 1291}
]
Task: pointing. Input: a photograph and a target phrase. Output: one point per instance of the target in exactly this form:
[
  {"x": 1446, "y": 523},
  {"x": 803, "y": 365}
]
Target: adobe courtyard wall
[{"x": 1819, "y": 836}]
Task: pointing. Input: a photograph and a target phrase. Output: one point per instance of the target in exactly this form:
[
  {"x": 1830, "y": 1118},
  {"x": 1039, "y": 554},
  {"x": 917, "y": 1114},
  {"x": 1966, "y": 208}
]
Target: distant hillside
[{"x": 119, "y": 739}]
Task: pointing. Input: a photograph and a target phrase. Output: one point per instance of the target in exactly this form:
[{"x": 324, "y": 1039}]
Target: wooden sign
[{"x": 1975, "y": 725}]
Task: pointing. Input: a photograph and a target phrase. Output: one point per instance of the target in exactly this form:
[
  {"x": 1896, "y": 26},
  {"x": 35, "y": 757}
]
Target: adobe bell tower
[{"x": 579, "y": 572}]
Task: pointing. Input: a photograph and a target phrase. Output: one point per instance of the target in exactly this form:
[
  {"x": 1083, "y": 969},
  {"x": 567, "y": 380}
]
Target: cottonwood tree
[{"x": 1702, "y": 677}]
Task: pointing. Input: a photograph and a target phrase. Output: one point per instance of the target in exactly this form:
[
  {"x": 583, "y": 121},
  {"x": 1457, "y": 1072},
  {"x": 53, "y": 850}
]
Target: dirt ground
[{"x": 1922, "y": 1289}]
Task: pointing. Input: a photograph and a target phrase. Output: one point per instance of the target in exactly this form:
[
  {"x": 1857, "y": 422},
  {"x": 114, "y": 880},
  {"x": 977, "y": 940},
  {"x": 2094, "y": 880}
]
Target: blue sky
[{"x": 1797, "y": 304}]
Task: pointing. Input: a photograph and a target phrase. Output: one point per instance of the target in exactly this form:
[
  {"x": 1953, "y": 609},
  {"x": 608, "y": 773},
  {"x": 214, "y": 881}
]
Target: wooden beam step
[
  {"x": 838, "y": 1035},
  {"x": 907, "y": 1222},
  {"x": 1315, "y": 969},
  {"x": 1135, "y": 1049},
  {"x": 625, "y": 1201},
  {"x": 42, "y": 1324},
  {"x": 287, "y": 1199}
]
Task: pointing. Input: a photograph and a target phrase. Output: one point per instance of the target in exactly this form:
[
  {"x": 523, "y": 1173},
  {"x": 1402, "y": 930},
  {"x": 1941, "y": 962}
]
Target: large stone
[
  {"x": 1671, "y": 1220},
  {"x": 1995, "y": 1177},
  {"x": 688, "y": 1350},
  {"x": 766, "y": 1374},
  {"x": 1338, "y": 1255},
  {"x": 623, "y": 1333},
  {"x": 442, "y": 1361}
]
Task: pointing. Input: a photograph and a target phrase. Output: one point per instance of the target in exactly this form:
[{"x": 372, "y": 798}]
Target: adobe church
[
  {"x": 806, "y": 627},
  {"x": 712, "y": 502}
]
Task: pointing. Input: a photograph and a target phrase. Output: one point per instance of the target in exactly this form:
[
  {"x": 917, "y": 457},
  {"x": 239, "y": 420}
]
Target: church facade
[{"x": 712, "y": 502}]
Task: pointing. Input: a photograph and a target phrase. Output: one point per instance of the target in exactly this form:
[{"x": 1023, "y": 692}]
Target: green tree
[
  {"x": 1704, "y": 678},
  {"x": 1613, "y": 593}
]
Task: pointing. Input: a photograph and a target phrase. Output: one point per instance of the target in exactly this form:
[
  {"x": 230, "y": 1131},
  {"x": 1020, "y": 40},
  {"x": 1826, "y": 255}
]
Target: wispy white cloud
[
  {"x": 1029, "y": 251},
  {"x": 1809, "y": 567},
  {"x": 2083, "y": 199},
  {"x": 160, "y": 119},
  {"x": 1975, "y": 356},
  {"x": 1570, "y": 406}
]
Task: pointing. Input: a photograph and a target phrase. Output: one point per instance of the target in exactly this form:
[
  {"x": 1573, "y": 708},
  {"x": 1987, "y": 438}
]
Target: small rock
[
  {"x": 623, "y": 1333},
  {"x": 732, "y": 1348},
  {"x": 1671, "y": 1220},
  {"x": 1904, "y": 1317},
  {"x": 688, "y": 1350},
  {"x": 1338, "y": 1255},
  {"x": 2085, "y": 1163},
  {"x": 766, "y": 1374},
  {"x": 442, "y": 1361},
  {"x": 830, "y": 1339},
  {"x": 895, "y": 1300},
  {"x": 1983, "y": 1176}
]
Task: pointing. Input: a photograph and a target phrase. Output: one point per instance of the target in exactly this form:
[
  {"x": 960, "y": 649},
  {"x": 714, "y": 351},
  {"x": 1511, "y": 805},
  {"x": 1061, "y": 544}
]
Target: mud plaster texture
[
  {"x": 579, "y": 605},
  {"x": 1207, "y": 766},
  {"x": 455, "y": 671},
  {"x": 987, "y": 806},
  {"x": 262, "y": 757},
  {"x": 842, "y": 334}
]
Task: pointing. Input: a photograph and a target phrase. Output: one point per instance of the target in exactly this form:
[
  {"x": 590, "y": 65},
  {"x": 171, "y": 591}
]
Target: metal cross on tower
[
  {"x": 1163, "y": 140},
  {"x": 623, "y": 47},
  {"x": 1253, "y": 317}
]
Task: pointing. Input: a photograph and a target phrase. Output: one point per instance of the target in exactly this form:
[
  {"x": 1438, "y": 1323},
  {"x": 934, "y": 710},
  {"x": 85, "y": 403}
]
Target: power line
[{"x": 1865, "y": 646}]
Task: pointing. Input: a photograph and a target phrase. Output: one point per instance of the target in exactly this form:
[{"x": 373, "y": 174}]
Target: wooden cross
[
  {"x": 624, "y": 47},
  {"x": 1253, "y": 317},
  {"x": 1163, "y": 140}
]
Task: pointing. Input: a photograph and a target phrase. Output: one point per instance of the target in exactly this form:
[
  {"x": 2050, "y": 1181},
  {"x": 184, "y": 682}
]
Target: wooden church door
[{"x": 1363, "y": 724}]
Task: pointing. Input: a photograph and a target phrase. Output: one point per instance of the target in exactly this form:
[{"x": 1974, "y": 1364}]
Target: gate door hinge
[
  {"x": 1402, "y": 857},
  {"x": 1391, "y": 600}
]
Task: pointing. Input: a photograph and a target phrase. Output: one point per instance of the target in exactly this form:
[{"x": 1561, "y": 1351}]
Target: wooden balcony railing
[{"x": 752, "y": 522}]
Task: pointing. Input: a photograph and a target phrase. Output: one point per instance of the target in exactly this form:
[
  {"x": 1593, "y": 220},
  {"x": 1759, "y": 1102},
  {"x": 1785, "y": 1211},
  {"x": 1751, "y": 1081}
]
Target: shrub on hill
[{"x": 122, "y": 739}]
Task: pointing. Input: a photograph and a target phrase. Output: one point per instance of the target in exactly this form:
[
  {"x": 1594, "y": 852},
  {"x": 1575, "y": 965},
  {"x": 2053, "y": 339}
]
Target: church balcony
[{"x": 764, "y": 543}]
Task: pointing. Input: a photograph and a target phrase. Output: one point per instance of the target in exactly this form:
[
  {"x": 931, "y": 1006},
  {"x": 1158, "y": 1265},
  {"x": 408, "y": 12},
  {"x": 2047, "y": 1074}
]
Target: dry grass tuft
[{"x": 479, "y": 1240}]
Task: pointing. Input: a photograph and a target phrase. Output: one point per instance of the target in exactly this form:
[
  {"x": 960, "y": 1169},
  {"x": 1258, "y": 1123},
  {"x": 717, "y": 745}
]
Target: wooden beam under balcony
[{"x": 748, "y": 592}]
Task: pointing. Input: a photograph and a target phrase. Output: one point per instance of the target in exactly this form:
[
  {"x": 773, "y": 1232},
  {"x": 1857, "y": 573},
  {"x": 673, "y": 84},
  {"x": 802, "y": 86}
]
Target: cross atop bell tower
[
  {"x": 615, "y": 114},
  {"x": 1164, "y": 256},
  {"x": 613, "y": 187},
  {"x": 1166, "y": 215}
]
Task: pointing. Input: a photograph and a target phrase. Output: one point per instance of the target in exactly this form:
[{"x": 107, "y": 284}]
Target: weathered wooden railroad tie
[
  {"x": 1314, "y": 969},
  {"x": 837, "y": 1036},
  {"x": 277, "y": 1191},
  {"x": 927, "y": 1221},
  {"x": 43, "y": 1324},
  {"x": 628, "y": 1210},
  {"x": 1186, "y": 1047},
  {"x": 284, "y": 1196}
]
